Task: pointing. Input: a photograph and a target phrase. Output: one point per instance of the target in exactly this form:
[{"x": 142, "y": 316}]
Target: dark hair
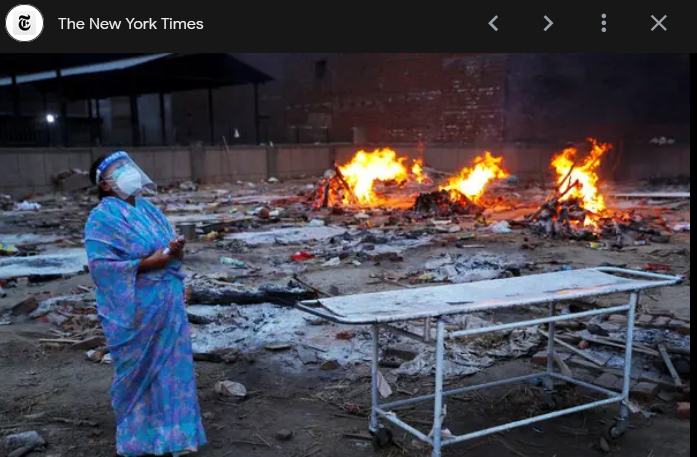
[{"x": 93, "y": 176}]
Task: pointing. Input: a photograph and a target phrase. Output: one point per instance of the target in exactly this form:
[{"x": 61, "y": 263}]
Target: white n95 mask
[{"x": 129, "y": 182}]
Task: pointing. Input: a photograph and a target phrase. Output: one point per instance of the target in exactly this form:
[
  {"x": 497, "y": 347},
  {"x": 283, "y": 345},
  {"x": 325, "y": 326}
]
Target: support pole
[
  {"x": 374, "y": 380},
  {"x": 135, "y": 120},
  {"x": 633, "y": 303},
  {"x": 16, "y": 109},
  {"x": 90, "y": 116},
  {"x": 163, "y": 119},
  {"x": 549, "y": 382},
  {"x": 99, "y": 121},
  {"x": 63, "y": 119},
  {"x": 257, "y": 133},
  {"x": 438, "y": 407},
  {"x": 49, "y": 127},
  {"x": 211, "y": 115}
]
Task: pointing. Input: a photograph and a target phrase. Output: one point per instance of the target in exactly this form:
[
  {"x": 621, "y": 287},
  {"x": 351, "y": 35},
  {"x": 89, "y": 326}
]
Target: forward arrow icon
[{"x": 550, "y": 23}]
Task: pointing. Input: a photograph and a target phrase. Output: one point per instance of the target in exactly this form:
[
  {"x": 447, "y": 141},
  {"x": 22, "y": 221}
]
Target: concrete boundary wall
[{"x": 27, "y": 171}]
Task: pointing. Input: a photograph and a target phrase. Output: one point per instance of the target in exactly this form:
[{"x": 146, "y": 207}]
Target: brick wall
[
  {"x": 450, "y": 98},
  {"x": 395, "y": 97},
  {"x": 375, "y": 97}
]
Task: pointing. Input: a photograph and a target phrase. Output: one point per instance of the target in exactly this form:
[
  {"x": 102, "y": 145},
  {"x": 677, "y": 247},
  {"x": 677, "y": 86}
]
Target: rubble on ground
[{"x": 252, "y": 242}]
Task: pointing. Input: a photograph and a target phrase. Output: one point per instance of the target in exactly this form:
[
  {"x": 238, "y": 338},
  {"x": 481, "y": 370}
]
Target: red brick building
[
  {"x": 376, "y": 97},
  {"x": 447, "y": 98}
]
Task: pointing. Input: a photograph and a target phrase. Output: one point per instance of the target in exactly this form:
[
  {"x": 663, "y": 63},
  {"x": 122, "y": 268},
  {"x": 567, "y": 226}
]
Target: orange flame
[
  {"x": 472, "y": 182},
  {"x": 418, "y": 171},
  {"x": 582, "y": 175},
  {"x": 380, "y": 165}
]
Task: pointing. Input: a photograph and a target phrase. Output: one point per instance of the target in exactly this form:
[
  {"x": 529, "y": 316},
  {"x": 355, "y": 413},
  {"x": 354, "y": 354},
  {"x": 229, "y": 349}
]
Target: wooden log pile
[
  {"x": 558, "y": 217},
  {"x": 441, "y": 203},
  {"x": 333, "y": 190}
]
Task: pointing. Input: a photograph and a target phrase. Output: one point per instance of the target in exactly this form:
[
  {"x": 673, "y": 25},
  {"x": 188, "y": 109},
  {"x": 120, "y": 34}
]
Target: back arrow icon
[
  {"x": 550, "y": 23},
  {"x": 491, "y": 23}
]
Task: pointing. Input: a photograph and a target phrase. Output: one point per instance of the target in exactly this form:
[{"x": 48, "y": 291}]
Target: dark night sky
[{"x": 622, "y": 95}]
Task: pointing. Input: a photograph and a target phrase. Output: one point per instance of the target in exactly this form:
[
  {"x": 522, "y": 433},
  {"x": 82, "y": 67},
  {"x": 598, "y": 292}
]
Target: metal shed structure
[{"x": 74, "y": 77}]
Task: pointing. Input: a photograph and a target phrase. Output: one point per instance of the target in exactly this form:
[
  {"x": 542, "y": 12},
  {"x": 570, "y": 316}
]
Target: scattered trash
[
  {"x": 316, "y": 223},
  {"x": 597, "y": 245},
  {"x": 25, "y": 307},
  {"x": 303, "y": 256},
  {"x": 232, "y": 262},
  {"x": 28, "y": 440},
  {"x": 284, "y": 435},
  {"x": 333, "y": 262},
  {"x": 682, "y": 227},
  {"x": 204, "y": 291},
  {"x": 211, "y": 236},
  {"x": 383, "y": 386},
  {"x": 188, "y": 186},
  {"x": 273, "y": 179},
  {"x": 46, "y": 266},
  {"x": 656, "y": 267},
  {"x": 27, "y": 206},
  {"x": 430, "y": 277},
  {"x": 330, "y": 365},
  {"x": 230, "y": 389},
  {"x": 8, "y": 249},
  {"x": 500, "y": 227},
  {"x": 277, "y": 347},
  {"x": 292, "y": 235},
  {"x": 263, "y": 213}
]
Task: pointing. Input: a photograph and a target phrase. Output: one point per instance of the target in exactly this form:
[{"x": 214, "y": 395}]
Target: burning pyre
[
  {"x": 357, "y": 182},
  {"x": 381, "y": 178},
  {"x": 576, "y": 207},
  {"x": 472, "y": 182},
  {"x": 462, "y": 193}
]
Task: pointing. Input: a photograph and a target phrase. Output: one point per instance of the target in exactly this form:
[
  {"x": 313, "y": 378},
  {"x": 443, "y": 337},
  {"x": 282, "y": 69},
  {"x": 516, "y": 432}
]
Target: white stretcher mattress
[{"x": 409, "y": 304}]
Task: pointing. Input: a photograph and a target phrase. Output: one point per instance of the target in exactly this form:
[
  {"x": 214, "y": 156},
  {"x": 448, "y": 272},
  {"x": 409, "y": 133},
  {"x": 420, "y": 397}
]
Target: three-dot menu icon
[{"x": 604, "y": 29}]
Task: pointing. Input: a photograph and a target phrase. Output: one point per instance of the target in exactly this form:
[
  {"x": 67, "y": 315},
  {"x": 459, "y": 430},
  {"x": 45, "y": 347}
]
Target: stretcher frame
[{"x": 435, "y": 439}]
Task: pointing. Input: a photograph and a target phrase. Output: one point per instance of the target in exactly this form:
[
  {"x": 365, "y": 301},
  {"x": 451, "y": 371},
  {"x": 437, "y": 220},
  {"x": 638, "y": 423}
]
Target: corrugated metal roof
[{"x": 121, "y": 64}]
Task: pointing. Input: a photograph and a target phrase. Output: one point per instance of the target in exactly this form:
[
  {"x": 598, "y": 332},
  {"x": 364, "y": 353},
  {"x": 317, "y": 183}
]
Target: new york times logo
[{"x": 24, "y": 23}]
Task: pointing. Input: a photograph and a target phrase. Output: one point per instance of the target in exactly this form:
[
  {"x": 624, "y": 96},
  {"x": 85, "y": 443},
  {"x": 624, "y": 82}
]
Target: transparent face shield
[{"x": 124, "y": 176}]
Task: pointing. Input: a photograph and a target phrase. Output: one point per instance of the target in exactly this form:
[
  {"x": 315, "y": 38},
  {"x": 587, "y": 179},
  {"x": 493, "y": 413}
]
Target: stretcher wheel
[
  {"x": 382, "y": 438},
  {"x": 617, "y": 430}
]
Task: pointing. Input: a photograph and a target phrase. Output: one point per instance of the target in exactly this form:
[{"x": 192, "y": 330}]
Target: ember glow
[
  {"x": 472, "y": 182},
  {"x": 366, "y": 168},
  {"x": 580, "y": 178}
]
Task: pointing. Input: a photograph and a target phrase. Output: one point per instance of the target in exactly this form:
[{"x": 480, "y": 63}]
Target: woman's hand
[
  {"x": 158, "y": 261},
  {"x": 176, "y": 248}
]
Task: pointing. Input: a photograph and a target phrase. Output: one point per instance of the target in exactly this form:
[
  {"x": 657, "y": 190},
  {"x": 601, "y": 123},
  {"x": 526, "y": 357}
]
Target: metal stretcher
[{"x": 383, "y": 310}]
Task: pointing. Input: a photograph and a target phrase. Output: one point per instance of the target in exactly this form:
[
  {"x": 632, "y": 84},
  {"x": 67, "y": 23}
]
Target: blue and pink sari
[{"x": 145, "y": 323}]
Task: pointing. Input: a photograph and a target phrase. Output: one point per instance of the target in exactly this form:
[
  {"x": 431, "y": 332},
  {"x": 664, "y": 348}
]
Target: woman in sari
[{"x": 134, "y": 259}]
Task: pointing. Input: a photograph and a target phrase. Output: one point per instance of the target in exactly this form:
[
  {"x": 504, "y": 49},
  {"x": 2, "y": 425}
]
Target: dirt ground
[
  {"x": 314, "y": 404},
  {"x": 64, "y": 385}
]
